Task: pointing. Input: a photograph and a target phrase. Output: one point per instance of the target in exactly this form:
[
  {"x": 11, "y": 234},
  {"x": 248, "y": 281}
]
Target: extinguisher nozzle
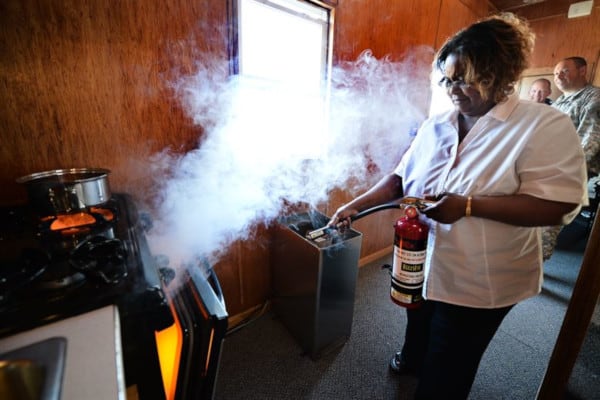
[{"x": 317, "y": 233}]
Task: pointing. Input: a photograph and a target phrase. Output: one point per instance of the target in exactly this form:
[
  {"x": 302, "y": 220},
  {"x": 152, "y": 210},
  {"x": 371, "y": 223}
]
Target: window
[
  {"x": 281, "y": 60},
  {"x": 284, "y": 40},
  {"x": 440, "y": 101}
]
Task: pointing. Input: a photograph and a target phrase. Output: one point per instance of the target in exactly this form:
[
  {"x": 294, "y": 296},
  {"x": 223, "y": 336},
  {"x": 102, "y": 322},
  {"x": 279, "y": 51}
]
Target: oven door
[{"x": 190, "y": 349}]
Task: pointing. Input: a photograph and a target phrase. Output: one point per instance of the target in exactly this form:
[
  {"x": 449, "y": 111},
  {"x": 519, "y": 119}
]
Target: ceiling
[{"x": 534, "y": 9}]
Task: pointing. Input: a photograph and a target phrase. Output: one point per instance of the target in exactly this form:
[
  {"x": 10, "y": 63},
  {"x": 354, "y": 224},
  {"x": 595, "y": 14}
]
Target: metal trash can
[{"x": 314, "y": 281}]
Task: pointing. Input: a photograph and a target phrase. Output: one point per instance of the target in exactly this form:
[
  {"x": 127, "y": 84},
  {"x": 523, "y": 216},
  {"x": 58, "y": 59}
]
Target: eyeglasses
[{"x": 446, "y": 83}]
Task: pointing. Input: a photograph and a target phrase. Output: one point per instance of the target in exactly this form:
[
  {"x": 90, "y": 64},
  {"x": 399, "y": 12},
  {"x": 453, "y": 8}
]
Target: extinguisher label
[
  {"x": 405, "y": 297},
  {"x": 408, "y": 266},
  {"x": 401, "y": 297},
  {"x": 410, "y": 244}
]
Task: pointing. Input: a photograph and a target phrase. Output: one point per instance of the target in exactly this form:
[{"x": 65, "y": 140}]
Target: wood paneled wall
[
  {"x": 558, "y": 37},
  {"x": 88, "y": 83}
]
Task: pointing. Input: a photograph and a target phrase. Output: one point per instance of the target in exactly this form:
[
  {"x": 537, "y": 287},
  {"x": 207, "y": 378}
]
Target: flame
[
  {"x": 71, "y": 220},
  {"x": 69, "y": 223},
  {"x": 168, "y": 343},
  {"x": 104, "y": 212}
]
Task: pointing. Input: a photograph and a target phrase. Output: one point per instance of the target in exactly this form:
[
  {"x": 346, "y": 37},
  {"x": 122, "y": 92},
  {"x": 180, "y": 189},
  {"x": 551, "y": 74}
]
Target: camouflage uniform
[{"x": 584, "y": 109}]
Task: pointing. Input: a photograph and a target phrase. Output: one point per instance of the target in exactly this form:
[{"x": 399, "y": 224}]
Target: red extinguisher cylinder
[{"x": 410, "y": 253}]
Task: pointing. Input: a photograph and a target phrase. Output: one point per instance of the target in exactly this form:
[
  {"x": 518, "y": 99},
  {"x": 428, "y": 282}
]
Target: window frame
[{"x": 233, "y": 49}]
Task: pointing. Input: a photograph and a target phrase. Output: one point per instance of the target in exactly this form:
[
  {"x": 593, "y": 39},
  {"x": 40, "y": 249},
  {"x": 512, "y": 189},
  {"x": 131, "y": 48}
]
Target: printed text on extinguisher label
[{"x": 408, "y": 266}]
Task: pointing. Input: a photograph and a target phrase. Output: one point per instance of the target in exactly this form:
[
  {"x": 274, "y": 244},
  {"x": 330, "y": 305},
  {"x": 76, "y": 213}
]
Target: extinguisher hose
[
  {"x": 325, "y": 230},
  {"x": 371, "y": 210},
  {"x": 406, "y": 201}
]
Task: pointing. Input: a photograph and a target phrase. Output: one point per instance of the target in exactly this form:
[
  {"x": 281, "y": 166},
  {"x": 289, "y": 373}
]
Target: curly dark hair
[{"x": 493, "y": 53}]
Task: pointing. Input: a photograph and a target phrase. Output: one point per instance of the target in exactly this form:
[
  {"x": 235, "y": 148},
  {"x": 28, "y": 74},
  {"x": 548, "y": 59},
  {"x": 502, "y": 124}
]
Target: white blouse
[{"x": 518, "y": 147}]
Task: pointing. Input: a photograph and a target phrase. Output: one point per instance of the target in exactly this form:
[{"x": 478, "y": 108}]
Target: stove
[
  {"x": 59, "y": 266},
  {"x": 48, "y": 274}
]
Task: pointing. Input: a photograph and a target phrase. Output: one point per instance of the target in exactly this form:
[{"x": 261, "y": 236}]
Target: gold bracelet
[{"x": 468, "y": 208}]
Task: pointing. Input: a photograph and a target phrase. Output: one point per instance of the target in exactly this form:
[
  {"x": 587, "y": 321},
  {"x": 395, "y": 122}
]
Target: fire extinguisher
[{"x": 410, "y": 252}]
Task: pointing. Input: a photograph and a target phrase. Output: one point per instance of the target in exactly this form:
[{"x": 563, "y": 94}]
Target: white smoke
[{"x": 268, "y": 144}]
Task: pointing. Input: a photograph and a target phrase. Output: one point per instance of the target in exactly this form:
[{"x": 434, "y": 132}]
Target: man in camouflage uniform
[{"x": 581, "y": 101}]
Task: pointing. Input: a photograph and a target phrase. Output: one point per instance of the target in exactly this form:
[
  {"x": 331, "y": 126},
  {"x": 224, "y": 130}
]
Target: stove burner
[
  {"x": 106, "y": 213},
  {"x": 77, "y": 223},
  {"x": 53, "y": 263},
  {"x": 101, "y": 258},
  {"x": 67, "y": 221}
]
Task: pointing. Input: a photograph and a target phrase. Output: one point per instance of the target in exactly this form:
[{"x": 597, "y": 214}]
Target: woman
[{"x": 499, "y": 168}]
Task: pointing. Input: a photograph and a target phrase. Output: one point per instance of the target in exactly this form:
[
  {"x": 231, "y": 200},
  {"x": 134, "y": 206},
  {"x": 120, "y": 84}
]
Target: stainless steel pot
[{"x": 64, "y": 191}]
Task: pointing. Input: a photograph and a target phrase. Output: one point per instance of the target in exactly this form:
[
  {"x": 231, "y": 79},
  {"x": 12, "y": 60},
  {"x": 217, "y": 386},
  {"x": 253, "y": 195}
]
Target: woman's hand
[
  {"x": 387, "y": 189},
  {"x": 449, "y": 208},
  {"x": 515, "y": 209},
  {"x": 342, "y": 217}
]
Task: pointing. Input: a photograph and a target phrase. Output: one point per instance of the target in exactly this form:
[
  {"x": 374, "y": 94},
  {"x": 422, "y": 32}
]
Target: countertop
[{"x": 93, "y": 366}]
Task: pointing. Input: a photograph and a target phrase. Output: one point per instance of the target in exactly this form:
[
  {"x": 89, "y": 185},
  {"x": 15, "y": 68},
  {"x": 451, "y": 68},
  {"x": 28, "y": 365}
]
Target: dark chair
[{"x": 589, "y": 212}]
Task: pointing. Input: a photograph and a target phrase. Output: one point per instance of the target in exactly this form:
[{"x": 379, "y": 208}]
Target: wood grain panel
[
  {"x": 559, "y": 37},
  {"x": 244, "y": 272},
  {"x": 87, "y": 83},
  {"x": 388, "y": 28},
  {"x": 541, "y": 10},
  {"x": 514, "y": 5},
  {"x": 455, "y": 15}
]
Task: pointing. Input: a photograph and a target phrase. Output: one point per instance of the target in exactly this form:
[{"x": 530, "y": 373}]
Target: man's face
[
  {"x": 539, "y": 91},
  {"x": 568, "y": 77}
]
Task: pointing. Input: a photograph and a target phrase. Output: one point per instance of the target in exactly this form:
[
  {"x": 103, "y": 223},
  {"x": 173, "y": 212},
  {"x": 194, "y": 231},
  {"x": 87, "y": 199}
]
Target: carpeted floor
[{"x": 262, "y": 360}]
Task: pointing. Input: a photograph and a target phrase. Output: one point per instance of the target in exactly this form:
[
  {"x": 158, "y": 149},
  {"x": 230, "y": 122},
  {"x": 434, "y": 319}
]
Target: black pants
[{"x": 445, "y": 343}]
